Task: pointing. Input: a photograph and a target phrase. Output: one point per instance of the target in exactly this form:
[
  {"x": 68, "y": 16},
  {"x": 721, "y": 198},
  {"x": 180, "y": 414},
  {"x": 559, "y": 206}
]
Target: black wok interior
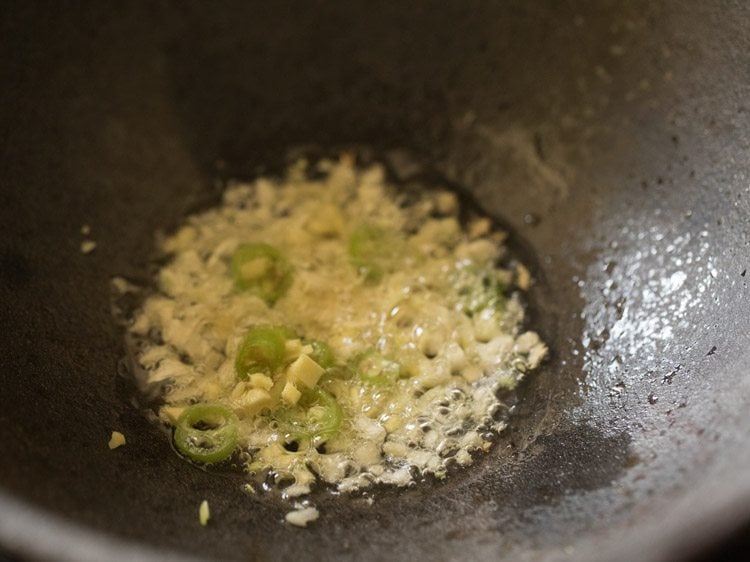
[{"x": 612, "y": 138}]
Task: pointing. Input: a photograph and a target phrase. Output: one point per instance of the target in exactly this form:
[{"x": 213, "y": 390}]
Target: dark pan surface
[{"x": 614, "y": 140}]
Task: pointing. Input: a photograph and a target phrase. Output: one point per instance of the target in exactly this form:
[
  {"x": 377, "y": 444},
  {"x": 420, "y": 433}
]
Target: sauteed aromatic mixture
[{"x": 335, "y": 329}]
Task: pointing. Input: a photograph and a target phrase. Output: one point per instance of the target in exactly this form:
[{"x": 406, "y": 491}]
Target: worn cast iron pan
[{"x": 612, "y": 138}]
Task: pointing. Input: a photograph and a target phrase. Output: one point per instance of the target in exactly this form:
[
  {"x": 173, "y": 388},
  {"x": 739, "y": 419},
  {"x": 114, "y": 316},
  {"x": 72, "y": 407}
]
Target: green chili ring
[
  {"x": 206, "y": 433},
  {"x": 370, "y": 249},
  {"x": 262, "y": 270},
  {"x": 315, "y": 419},
  {"x": 374, "y": 368},
  {"x": 479, "y": 289},
  {"x": 322, "y": 354},
  {"x": 262, "y": 350}
]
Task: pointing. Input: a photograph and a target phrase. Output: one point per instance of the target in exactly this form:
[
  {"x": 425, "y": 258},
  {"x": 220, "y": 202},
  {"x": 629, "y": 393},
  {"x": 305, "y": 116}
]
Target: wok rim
[{"x": 29, "y": 531}]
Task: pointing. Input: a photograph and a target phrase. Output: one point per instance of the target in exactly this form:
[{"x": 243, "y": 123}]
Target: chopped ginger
[
  {"x": 305, "y": 370},
  {"x": 290, "y": 394}
]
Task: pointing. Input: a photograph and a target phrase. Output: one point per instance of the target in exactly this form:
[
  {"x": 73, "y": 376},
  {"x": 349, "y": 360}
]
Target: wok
[{"x": 613, "y": 140}]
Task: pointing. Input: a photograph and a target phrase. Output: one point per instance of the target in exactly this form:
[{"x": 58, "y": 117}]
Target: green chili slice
[
  {"x": 262, "y": 350},
  {"x": 479, "y": 288},
  {"x": 313, "y": 420},
  {"x": 262, "y": 270},
  {"x": 322, "y": 354},
  {"x": 373, "y": 251},
  {"x": 376, "y": 369},
  {"x": 206, "y": 433}
]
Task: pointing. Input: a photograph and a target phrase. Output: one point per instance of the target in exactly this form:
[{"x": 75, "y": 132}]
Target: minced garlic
[
  {"x": 301, "y": 517},
  {"x": 421, "y": 326}
]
